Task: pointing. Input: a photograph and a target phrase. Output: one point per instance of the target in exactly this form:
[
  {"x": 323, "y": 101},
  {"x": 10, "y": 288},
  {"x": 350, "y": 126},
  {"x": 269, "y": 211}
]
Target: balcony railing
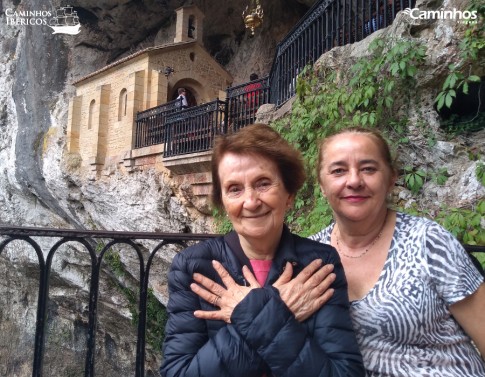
[
  {"x": 326, "y": 25},
  {"x": 244, "y": 101},
  {"x": 87, "y": 241},
  {"x": 150, "y": 128},
  {"x": 194, "y": 129}
]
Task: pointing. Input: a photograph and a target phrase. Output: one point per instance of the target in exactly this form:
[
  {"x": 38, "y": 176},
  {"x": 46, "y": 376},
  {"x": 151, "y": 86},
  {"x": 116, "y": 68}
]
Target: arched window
[
  {"x": 191, "y": 33},
  {"x": 91, "y": 114},
  {"x": 122, "y": 103}
]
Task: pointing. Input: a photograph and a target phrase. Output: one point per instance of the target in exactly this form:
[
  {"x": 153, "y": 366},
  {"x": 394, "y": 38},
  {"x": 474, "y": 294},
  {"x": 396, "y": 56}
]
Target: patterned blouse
[{"x": 403, "y": 325}]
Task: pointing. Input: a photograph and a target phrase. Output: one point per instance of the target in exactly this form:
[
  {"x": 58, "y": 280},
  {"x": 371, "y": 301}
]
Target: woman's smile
[{"x": 355, "y": 198}]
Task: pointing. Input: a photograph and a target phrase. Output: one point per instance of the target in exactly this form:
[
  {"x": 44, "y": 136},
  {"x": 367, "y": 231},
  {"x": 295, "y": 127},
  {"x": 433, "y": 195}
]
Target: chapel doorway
[{"x": 191, "y": 101}]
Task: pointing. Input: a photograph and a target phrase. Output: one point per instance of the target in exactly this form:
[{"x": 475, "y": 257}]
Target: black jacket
[{"x": 264, "y": 336}]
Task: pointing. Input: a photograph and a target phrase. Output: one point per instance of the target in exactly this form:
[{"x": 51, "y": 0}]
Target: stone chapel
[{"x": 102, "y": 115}]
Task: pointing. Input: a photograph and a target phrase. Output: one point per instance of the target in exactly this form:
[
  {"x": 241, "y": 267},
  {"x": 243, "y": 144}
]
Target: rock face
[{"x": 40, "y": 185}]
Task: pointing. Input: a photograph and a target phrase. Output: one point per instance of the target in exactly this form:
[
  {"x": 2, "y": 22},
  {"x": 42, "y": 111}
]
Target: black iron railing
[
  {"x": 326, "y": 25},
  {"x": 150, "y": 129},
  {"x": 86, "y": 241},
  {"x": 244, "y": 100},
  {"x": 194, "y": 129}
]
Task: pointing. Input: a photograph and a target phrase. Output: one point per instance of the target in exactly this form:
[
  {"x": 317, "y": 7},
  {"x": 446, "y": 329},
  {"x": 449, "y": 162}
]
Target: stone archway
[{"x": 195, "y": 91}]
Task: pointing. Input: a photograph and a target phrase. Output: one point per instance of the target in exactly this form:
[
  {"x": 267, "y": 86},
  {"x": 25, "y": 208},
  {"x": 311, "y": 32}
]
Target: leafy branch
[
  {"x": 455, "y": 81},
  {"x": 471, "y": 46}
]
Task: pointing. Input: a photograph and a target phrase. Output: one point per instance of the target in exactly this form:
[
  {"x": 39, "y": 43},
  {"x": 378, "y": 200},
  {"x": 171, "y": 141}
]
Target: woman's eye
[
  {"x": 234, "y": 191},
  {"x": 263, "y": 185},
  {"x": 369, "y": 169},
  {"x": 337, "y": 171}
]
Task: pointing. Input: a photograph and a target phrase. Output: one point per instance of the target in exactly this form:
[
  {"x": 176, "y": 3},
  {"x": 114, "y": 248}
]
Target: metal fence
[
  {"x": 326, "y": 25},
  {"x": 86, "y": 239},
  {"x": 194, "y": 129}
]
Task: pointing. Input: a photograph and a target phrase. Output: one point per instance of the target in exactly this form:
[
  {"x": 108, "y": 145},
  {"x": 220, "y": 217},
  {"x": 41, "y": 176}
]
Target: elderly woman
[
  {"x": 250, "y": 303},
  {"x": 417, "y": 300}
]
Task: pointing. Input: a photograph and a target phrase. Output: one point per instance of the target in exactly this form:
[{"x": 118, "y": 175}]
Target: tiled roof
[{"x": 129, "y": 57}]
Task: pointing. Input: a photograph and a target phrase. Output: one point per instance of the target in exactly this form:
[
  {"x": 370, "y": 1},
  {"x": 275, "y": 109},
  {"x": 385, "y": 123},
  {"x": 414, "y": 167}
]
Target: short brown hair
[
  {"x": 181, "y": 90},
  {"x": 261, "y": 140},
  {"x": 373, "y": 133}
]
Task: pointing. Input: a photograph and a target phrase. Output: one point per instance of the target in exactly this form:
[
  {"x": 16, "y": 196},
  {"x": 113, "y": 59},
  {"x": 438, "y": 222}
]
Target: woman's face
[
  {"x": 354, "y": 176},
  {"x": 253, "y": 195}
]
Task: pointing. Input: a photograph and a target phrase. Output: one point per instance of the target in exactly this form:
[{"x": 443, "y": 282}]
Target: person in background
[
  {"x": 182, "y": 98},
  {"x": 250, "y": 303},
  {"x": 417, "y": 300},
  {"x": 253, "y": 90},
  {"x": 253, "y": 96}
]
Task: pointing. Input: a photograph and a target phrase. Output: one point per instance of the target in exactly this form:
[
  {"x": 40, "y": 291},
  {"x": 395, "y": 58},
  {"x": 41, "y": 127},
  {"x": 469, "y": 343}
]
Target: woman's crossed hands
[{"x": 304, "y": 294}]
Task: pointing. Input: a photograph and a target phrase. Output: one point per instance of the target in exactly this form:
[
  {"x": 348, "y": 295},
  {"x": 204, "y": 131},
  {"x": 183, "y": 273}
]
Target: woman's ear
[
  {"x": 323, "y": 191},
  {"x": 290, "y": 201},
  {"x": 392, "y": 182}
]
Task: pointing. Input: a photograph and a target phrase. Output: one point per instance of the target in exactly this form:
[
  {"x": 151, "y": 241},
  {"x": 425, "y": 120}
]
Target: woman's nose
[
  {"x": 251, "y": 198},
  {"x": 354, "y": 179}
]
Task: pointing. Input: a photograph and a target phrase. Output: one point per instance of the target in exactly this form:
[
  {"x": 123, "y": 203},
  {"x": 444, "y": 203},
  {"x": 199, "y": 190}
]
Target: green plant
[
  {"x": 99, "y": 247},
  {"x": 459, "y": 125},
  {"x": 318, "y": 217},
  {"x": 473, "y": 154},
  {"x": 157, "y": 317},
  {"x": 480, "y": 173},
  {"x": 414, "y": 179},
  {"x": 221, "y": 222},
  {"x": 113, "y": 259},
  {"x": 465, "y": 223},
  {"x": 455, "y": 81},
  {"x": 440, "y": 176},
  {"x": 473, "y": 41},
  {"x": 471, "y": 45},
  {"x": 481, "y": 258}
]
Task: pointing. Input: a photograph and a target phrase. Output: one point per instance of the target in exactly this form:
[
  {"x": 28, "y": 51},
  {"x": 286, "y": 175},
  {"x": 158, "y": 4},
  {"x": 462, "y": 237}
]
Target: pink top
[{"x": 261, "y": 269}]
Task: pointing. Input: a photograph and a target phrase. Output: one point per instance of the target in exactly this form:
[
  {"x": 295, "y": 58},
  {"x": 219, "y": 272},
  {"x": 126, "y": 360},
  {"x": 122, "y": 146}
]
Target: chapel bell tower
[{"x": 189, "y": 26}]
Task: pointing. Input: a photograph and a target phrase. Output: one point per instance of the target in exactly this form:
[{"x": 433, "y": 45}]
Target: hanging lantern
[{"x": 253, "y": 16}]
